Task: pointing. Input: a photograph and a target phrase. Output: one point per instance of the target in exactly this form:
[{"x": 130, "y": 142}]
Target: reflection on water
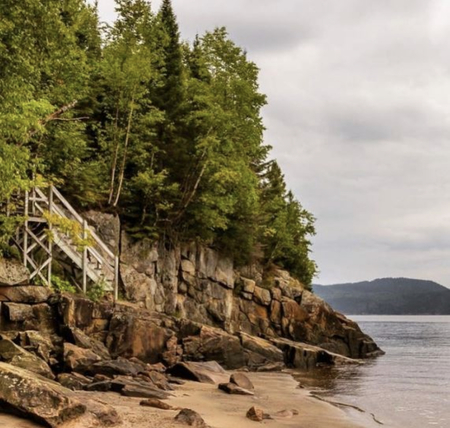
[{"x": 409, "y": 387}]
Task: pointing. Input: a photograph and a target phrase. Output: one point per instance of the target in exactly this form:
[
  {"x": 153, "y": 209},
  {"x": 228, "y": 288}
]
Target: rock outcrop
[
  {"x": 196, "y": 283},
  {"x": 36, "y": 397}
]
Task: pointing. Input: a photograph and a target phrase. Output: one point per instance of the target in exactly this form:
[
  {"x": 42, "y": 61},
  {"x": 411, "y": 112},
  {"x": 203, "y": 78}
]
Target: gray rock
[
  {"x": 248, "y": 285},
  {"x": 262, "y": 296},
  {"x": 231, "y": 388},
  {"x": 13, "y": 272},
  {"x": 191, "y": 418},
  {"x": 82, "y": 340},
  {"x": 143, "y": 392},
  {"x": 242, "y": 381},
  {"x": 157, "y": 404},
  {"x": 25, "y": 294},
  {"x": 18, "y": 312},
  {"x": 255, "y": 414},
  {"x": 33, "y": 396},
  {"x": 73, "y": 381},
  {"x": 78, "y": 359},
  {"x": 204, "y": 372},
  {"x": 17, "y": 356}
]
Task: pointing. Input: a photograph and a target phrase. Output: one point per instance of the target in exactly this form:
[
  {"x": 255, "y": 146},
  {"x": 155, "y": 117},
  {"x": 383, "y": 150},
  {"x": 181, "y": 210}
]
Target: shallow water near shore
[{"x": 409, "y": 387}]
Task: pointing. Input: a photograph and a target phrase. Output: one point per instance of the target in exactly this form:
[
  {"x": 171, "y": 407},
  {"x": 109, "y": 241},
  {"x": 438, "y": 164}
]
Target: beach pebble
[
  {"x": 191, "y": 418},
  {"x": 158, "y": 404},
  {"x": 255, "y": 414}
]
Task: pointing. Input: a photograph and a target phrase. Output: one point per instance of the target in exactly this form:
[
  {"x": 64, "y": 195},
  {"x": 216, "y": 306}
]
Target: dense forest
[{"x": 130, "y": 119}]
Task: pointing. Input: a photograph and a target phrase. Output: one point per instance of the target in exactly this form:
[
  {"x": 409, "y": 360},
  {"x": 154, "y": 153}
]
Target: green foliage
[
  {"x": 9, "y": 252},
  {"x": 131, "y": 119},
  {"x": 61, "y": 285},
  {"x": 96, "y": 291},
  {"x": 72, "y": 228}
]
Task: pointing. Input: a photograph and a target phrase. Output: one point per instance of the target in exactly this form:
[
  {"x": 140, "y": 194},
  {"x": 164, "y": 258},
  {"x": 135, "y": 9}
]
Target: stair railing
[{"x": 95, "y": 260}]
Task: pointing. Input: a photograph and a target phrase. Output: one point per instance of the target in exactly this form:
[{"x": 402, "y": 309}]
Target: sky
[{"x": 358, "y": 116}]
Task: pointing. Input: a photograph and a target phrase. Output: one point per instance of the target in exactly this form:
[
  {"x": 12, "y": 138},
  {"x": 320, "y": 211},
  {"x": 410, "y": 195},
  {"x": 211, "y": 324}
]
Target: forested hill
[
  {"x": 130, "y": 119},
  {"x": 387, "y": 296}
]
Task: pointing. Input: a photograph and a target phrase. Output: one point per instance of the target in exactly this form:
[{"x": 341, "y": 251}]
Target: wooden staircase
[{"x": 39, "y": 241}]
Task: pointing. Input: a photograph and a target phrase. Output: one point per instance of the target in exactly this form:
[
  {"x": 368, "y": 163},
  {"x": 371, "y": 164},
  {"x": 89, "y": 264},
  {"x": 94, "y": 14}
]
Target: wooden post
[
  {"x": 84, "y": 262},
  {"x": 50, "y": 237},
  {"x": 116, "y": 278},
  {"x": 25, "y": 231}
]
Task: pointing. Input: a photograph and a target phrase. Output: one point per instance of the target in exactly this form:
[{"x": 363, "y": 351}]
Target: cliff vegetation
[{"x": 130, "y": 119}]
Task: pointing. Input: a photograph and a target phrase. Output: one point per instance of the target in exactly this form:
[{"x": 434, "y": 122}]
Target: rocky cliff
[
  {"x": 178, "y": 305},
  {"x": 195, "y": 283}
]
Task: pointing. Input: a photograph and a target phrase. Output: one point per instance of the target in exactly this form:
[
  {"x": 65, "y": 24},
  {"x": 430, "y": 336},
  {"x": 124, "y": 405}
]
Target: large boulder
[
  {"x": 259, "y": 352},
  {"x": 137, "y": 334},
  {"x": 75, "y": 311},
  {"x": 35, "y": 397},
  {"x": 304, "y": 356},
  {"x": 82, "y": 340},
  {"x": 78, "y": 359},
  {"x": 332, "y": 330},
  {"x": 204, "y": 372},
  {"x": 36, "y": 342},
  {"x": 17, "y": 356},
  {"x": 211, "y": 343},
  {"x": 12, "y": 272},
  {"x": 120, "y": 366},
  {"x": 25, "y": 294},
  {"x": 18, "y": 312}
]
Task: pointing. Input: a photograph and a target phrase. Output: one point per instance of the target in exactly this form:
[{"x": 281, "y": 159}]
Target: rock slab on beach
[
  {"x": 232, "y": 388},
  {"x": 242, "y": 381},
  {"x": 32, "y": 396},
  {"x": 204, "y": 372}
]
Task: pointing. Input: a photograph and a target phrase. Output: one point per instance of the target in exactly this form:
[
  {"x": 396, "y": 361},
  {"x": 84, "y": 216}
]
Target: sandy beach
[{"x": 274, "y": 392}]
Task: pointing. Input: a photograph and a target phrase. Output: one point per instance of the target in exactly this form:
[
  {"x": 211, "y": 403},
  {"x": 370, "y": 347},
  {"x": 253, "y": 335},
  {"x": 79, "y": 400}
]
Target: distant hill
[{"x": 387, "y": 296}]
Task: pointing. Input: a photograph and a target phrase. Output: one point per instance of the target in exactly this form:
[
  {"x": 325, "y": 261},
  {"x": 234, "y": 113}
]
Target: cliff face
[{"x": 195, "y": 283}]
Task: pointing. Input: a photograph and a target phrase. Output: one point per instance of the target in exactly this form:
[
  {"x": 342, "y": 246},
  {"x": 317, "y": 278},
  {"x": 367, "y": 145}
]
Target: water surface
[{"x": 409, "y": 387}]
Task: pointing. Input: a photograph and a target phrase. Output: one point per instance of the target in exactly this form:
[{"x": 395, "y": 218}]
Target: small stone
[
  {"x": 158, "y": 404},
  {"x": 142, "y": 392},
  {"x": 255, "y": 414},
  {"x": 190, "y": 418}
]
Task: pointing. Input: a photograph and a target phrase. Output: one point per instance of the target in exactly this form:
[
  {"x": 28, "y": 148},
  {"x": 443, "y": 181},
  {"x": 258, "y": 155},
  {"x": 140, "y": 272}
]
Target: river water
[{"x": 409, "y": 387}]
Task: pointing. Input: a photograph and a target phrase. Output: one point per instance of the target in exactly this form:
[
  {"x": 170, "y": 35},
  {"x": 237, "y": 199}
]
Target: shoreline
[{"x": 274, "y": 392}]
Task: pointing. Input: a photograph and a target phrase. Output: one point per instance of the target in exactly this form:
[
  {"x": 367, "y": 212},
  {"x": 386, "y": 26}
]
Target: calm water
[{"x": 409, "y": 387}]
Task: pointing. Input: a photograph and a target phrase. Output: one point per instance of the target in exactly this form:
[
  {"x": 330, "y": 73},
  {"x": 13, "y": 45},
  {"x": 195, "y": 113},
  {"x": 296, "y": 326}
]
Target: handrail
[
  {"x": 96, "y": 259},
  {"x": 80, "y": 220}
]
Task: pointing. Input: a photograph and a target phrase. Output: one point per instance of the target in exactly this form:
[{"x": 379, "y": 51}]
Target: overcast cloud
[{"x": 359, "y": 119}]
